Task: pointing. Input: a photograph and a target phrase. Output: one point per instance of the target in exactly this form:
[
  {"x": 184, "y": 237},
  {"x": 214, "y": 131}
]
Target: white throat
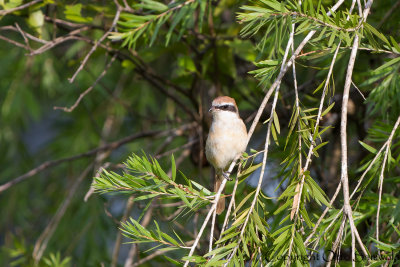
[{"x": 225, "y": 115}]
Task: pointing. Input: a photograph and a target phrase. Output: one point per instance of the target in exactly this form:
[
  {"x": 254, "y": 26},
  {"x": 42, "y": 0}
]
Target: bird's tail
[{"x": 221, "y": 201}]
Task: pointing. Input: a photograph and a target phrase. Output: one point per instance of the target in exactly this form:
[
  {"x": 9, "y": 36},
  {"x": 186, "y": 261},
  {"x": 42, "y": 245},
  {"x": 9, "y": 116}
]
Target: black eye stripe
[{"x": 227, "y": 108}]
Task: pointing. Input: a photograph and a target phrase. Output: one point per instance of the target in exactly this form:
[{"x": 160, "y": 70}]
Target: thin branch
[
  {"x": 296, "y": 198},
  {"x": 231, "y": 206},
  {"x": 389, "y": 141},
  {"x": 343, "y": 136},
  {"x": 299, "y": 187},
  {"x": 30, "y": 36},
  {"x": 343, "y": 139},
  {"x": 64, "y": 22},
  {"x": 321, "y": 104},
  {"x": 94, "y": 47},
  {"x": 87, "y": 91},
  {"x": 13, "y": 42},
  {"x": 265, "y": 155},
  {"x": 210, "y": 212},
  {"x": 70, "y": 36},
  {"x": 11, "y": 10},
  {"x": 359, "y": 91},
  {"x": 337, "y": 242},
  {"x": 23, "y": 36}
]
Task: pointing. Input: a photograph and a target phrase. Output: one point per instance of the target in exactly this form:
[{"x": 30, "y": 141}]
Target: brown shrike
[{"x": 226, "y": 140}]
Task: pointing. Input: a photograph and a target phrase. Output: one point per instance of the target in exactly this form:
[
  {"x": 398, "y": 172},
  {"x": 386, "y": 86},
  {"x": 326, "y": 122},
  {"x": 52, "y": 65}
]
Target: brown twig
[
  {"x": 70, "y": 36},
  {"x": 94, "y": 47},
  {"x": 13, "y": 42},
  {"x": 87, "y": 91},
  {"x": 23, "y": 36},
  {"x": 64, "y": 22},
  {"x": 11, "y": 10},
  {"x": 30, "y": 36}
]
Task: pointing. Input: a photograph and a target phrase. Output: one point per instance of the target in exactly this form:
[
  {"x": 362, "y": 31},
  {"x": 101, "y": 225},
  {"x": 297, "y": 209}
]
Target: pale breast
[{"x": 226, "y": 140}]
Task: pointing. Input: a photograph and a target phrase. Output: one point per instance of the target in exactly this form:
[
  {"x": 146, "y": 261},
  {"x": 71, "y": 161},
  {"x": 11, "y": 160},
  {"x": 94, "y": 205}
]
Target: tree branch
[{"x": 11, "y": 10}]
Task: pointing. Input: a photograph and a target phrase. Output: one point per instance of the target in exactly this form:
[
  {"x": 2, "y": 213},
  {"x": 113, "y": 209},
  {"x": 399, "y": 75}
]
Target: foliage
[{"x": 93, "y": 82}]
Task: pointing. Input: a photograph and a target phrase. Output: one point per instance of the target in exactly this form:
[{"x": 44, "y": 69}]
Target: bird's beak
[{"x": 211, "y": 109}]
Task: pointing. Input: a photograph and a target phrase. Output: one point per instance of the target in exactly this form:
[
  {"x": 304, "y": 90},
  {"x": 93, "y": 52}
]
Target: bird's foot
[{"x": 226, "y": 176}]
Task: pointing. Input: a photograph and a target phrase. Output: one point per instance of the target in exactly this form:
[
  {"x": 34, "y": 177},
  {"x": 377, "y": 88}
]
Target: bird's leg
[{"x": 226, "y": 176}]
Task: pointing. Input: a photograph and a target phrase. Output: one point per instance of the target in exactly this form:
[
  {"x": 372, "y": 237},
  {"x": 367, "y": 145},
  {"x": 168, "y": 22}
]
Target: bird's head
[{"x": 224, "y": 105}]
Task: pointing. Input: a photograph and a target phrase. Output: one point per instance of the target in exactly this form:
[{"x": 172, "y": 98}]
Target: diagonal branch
[
  {"x": 94, "y": 47},
  {"x": 87, "y": 91},
  {"x": 11, "y": 10},
  {"x": 389, "y": 141}
]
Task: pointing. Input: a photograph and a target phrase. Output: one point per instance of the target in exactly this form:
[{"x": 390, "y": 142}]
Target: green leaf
[
  {"x": 332, "y": 38},
  {"x": 173, "y": 167},
  {"x": 218, "y": 250},
  {"x": 395, "y": 44},
  {"x": 244, "y": 201},
  {"x": 283, "y": 207},
  {"x": 201, "y": 188},
  {"x": 259, "y": 223},
  {"x": 175, "y": 22},
  {"x": 227, "y": 237},
  {"x": 275, "y": 5},
  {"x": 246, "y": 173},
  {"x": 274, "y": 135},
  {"x": 73, "y": 12},
  {"x": 320, "y": 145},
  {"x": 318, "y": 194},
  {"x": 327, "y": 109},
  {"x": 276, "y": 123},
  {"x": 376, "y": 33},
  {"x": 181, "y": 194},
  {"x": 368, "y": 147},
  {"x": 152, "y": 5},
  {"x": 241, "y": 217},
  {"x": 388, "y": 64}
]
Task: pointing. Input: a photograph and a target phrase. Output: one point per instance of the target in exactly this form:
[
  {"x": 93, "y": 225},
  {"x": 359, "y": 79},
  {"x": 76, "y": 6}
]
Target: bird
[{"x": 227, "y": 140}]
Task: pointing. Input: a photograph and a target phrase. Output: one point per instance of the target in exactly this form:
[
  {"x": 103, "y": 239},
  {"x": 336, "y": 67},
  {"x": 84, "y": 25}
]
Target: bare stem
[{"x": 389, "y": 141}]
